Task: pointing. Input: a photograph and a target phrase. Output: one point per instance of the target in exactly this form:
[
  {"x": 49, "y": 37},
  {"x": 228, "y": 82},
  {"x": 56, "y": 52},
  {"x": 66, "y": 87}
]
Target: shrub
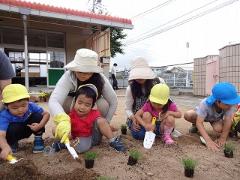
[
  {"x": 229, "y": 147},
  {"x": 135, "y": 154},
  {"x": 90, "y": 155},
  {"x": 189, "y": 163},
  {"x": 105, "y": 178},
  {"x": 123, "y": 126}
]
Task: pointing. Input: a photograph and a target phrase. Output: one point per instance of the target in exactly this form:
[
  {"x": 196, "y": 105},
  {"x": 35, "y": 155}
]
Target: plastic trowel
[
  {"x": 12, "y": 160},
  {"x": 71, "y": 150},
  {"x": 202, "y": 140},
  {"x": 149, "y": 137}
]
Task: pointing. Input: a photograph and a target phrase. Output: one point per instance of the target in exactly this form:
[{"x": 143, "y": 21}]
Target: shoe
[
  {"x": 38, "y": 145},
  {"x": 14, "y": 147},
  {"x": 193, "y": 129},
  {"x": 167, "y": 139},
  {"x": 118, "y": 145},
  {"x": 175, "y": 133},
  {"x": 57, "y": 146}
]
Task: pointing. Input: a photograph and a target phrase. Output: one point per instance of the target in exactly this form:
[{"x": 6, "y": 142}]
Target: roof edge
[{"x": 64, "y": 13}]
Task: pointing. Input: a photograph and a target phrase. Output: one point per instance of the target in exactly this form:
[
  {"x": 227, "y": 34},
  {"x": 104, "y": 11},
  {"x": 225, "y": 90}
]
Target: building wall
[
  {"x": 230, "y": 64},
  {"x": 73, "y": 43},
  {"x": 199, "y": 76},
  {"x": 212, "y": 73}
]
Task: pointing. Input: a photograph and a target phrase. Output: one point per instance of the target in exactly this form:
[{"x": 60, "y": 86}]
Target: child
[
  {"x": 235, "y": 123},
  {"x": 141, "y": 80},
  {"x": 83, "y": 117},
  {"x": 218, "y": 109},
  {"x": 160, "y": 106},
  {"x": 19, "y": 119}
]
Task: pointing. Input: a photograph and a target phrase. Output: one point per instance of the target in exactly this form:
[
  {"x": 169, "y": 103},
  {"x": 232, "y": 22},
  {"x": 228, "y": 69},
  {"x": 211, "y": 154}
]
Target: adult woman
[
  {"x": 141, "y": 80},
  {"x": 84, "y": 69},
  {"x": 6, "y": 73}
]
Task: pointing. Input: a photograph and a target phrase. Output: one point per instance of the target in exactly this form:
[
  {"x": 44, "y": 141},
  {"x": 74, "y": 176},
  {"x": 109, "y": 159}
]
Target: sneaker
[
  {"x": 167, "y": 139},
  {"x": 193, "y": 129},
  {"x": 118, "y": 145},
  {"x": 57, "y": 146},
  {"x": 38, "y": 145},
  {"x": 175, "y": 133},
  {"x": 14, "y": 147}
]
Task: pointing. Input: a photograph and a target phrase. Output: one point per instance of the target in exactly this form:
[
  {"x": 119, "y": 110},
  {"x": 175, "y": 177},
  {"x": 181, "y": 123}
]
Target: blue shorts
[{"x": 139, "y": 135}]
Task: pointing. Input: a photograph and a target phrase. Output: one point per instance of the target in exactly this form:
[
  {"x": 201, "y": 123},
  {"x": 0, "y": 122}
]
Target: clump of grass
[
  {"x": 90, "y": 155},
  {"x": 229, "y": 147},
  {"x": 189, "y": 163},
  {"x": 135, "y": 154},
  {"x": 105, "y": 178},
  {"x": 123, "y": 126}
]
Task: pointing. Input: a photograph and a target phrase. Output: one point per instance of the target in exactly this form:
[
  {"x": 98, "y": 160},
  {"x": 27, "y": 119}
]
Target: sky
[{"x": 171, "y": 43}]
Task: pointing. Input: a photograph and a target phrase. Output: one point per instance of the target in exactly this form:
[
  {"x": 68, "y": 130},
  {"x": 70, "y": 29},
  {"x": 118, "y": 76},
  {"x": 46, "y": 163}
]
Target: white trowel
[
  {"x": 72, "y": 151},
  {"x": 12, "y": 160},
  {"x": 149, "y": 137},
  {"x": 202, "y": 140}
]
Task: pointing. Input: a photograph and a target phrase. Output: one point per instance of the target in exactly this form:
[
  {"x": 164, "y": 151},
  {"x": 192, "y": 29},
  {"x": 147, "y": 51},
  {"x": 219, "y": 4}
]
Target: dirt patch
[{"x": 27, "y": 169}]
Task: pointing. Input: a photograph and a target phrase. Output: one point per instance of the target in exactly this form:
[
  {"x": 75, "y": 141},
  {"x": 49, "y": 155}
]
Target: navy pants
[
  {"x": 139, "y": 135},
  {"x": 17, "y": 131}
]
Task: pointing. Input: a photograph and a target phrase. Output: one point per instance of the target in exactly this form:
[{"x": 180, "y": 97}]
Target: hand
[
  {"x": 149, "y": 127},
  {"x": 63, "y": 128},
  {"x": 164, "y": 116},
  {"x": 135, "y": 125},
  {"x": 220, "y": 141},
  {"x": 212, "y": 146},
  {"x": 34, "y": 127},
  {"x": 114, "y": 129},
  {"x": 5, "y": 152}
]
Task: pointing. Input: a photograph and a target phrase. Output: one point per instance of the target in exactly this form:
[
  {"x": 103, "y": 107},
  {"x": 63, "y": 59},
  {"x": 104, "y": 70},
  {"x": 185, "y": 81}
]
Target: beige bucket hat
[
  {"x": 85, "y": 60},
  {"x": 140, "y": 70}
]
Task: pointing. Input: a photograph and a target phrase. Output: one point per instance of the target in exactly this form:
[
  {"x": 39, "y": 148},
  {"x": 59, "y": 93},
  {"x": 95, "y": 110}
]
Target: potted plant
[
  {"x": 89, "y": 158},
  {"x": 44, "y": 96},
  {"x": 228, "y": 150},
  {"x": 41, "y": 96},
  {"x": 134, "y": 156},
  {"x": 124, "y": 129},
  {"x": 189, "y": 166}
]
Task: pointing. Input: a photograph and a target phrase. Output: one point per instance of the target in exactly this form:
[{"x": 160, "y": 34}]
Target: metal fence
[{"x": 174, "y": 80}]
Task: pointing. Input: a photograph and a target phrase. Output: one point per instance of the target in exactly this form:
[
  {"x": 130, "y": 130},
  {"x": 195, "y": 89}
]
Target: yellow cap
[
  {"x": 14, "y": 92},
  {"x": 159, "y": 94}
]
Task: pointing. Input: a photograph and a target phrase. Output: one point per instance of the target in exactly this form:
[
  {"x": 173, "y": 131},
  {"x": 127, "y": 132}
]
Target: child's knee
[
  {"x": 147, "y": 116},
  {"x": 170, "y": 121},
  {"x": 190, "y": 115},
  {"x": 35, "y": 118}
]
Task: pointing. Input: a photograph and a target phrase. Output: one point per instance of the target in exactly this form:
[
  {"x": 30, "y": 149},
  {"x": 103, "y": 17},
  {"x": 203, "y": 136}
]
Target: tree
[
  {"x": 116, "y": 37},
  {"x": 116, "y": 34}
]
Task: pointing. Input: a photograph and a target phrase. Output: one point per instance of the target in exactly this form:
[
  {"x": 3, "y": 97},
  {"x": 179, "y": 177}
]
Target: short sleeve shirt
[
  {"x": 6, "y": 117},
  {"x": 6, "y": 69},
  {"x": 209, "y": 114},
  {"x": 147, "y": 107},
  {"x": 82, "y": 127}
]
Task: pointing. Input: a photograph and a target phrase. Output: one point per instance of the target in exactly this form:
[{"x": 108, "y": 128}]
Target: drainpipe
[{"x": 24, "y": 16}]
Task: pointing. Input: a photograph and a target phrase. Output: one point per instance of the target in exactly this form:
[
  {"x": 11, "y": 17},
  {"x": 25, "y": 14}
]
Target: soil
[{"x": 160, "y": 162}]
